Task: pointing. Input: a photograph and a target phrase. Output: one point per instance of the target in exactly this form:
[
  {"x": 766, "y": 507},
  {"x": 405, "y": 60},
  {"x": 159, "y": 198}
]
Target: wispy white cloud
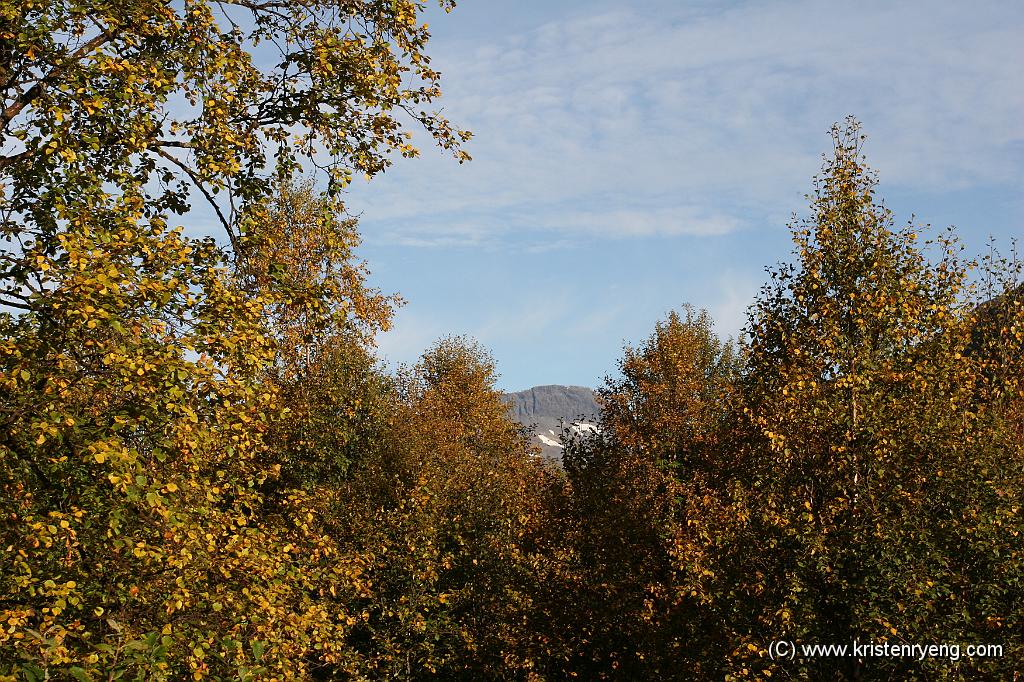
[
  {"x": 640, "y": 222},
  {"x": 734, "y": 291},
  {"x": 520, "y": 318},
  {"x": 409, "y": 336},
  {"x": 630, "y": 157},
  {"x": 687, "y": 121},
  {"x": 599, "y": 321}
]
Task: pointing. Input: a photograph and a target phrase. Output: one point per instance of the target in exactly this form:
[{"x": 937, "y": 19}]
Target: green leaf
[{"x": 80, "y": 674}]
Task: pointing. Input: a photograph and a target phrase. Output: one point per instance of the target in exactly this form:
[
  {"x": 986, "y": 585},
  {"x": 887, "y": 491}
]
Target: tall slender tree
[{"x": 874, "y": 487}]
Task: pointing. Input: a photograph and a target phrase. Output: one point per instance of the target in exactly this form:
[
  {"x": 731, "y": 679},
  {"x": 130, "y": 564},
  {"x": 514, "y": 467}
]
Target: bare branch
[
  {"x": 15, "y": 304},
  {"x": 177, "y": 144},
  {"x": 206, "y": 193}
]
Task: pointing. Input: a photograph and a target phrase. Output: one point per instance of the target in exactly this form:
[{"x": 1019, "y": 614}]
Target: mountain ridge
[{"x": 545, "y": 409}]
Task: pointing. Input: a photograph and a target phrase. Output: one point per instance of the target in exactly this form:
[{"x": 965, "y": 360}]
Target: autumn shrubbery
[{"x": 206, "y": 473}]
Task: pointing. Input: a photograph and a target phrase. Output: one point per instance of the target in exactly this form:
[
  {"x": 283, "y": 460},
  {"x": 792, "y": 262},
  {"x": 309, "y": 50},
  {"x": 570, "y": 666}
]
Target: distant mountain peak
[{"x": 543, "y": 408}]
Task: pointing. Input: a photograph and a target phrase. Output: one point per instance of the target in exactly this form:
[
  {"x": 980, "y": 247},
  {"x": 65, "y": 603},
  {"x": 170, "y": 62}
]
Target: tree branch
[
  {"x": 14, "y": 304},
  {"x": 177, "y": 144},
  {"x": 6, "y": 161},
  {"x": 206, "y": 193},
  {"x": 56, "y": 72}
]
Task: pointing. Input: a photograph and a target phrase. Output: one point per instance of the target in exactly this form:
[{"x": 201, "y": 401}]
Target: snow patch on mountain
[
  {"x": 546, "y": 410},
  {"x": 550, "y": 442}
]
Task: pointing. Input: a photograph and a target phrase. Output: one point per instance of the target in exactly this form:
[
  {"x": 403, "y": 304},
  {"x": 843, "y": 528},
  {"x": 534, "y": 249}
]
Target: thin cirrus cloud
[
  {"x": 638, "y": 222},
  {"x": 622, "y": 120},
  {"x": 633, "y": 156},
  {"x": 489, "y": 229}
]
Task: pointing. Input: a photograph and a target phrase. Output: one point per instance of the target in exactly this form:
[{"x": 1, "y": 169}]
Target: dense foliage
[
  {"x": 205, "y": 472},
  {"x": 854, "y": 475}
]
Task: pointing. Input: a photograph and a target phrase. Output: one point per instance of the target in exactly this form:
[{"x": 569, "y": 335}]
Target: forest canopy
[{"x": 206, "y": 473}]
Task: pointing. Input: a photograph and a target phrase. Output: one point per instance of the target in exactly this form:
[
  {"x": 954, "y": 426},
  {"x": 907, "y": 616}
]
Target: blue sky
[{"x": 630, "y": 157}]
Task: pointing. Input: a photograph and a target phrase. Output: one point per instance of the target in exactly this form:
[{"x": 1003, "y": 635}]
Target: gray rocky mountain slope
[{"x": 540, "y": 408}]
